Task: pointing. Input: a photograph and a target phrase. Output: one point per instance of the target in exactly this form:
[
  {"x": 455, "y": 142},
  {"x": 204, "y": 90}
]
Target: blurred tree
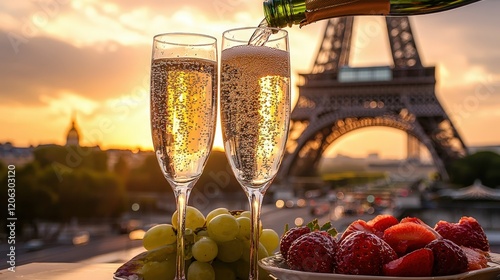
[
  {"x": 43, "y": 194},
  {"x": 98, "y": 160},
  {"x": 147, "y": 186},
  {"x": 492, "y": 176},
  {"x": 218, "y": 176},
  {"x": 147, "y": 177},
  {"x": 122, "y": 168},
  {"x": 217, "y": 173},
  {"x": 71, "y": 157},
  {"x": 484, "y": 166},
  {"x": 89, "y": 194},
  {"x": 32, "y": 201}
]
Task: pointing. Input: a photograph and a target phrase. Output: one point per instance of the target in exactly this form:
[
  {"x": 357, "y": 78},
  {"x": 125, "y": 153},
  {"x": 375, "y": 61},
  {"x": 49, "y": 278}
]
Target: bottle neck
[{"x": 283, "y": 13}]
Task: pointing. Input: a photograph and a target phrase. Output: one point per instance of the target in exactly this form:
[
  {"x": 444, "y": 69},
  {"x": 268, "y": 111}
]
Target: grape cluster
[{"x": 217, "y": 246}]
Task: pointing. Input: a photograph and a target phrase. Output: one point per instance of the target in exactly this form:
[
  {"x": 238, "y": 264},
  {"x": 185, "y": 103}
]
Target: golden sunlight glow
[
  {"x": 176, "y": 100},
  {"x": 184, "y": 17},
  {"x": 69, "y": 102},
  {"x": 190, "y": 110},
  {"x": 475, "y": 74},
  {"x": 218, "y": 142},
  {"x": 386, "y": 142},
  {"x": 271, "y": 92},
  {"x": 110, "y": 8}
]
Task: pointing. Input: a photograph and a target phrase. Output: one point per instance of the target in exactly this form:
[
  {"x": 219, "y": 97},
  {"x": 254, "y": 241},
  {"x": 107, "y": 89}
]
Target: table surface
[
  {"x": 60, "y": 271},
  {"x": 83, "y": 271}
]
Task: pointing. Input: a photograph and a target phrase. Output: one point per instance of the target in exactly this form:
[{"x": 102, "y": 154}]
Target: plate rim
[{"x": 492, "y": 267}]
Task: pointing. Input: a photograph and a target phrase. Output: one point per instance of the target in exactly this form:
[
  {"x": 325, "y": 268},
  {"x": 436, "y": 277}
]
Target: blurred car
[
  {"x": 81, "y": 238},
  {"x": 319, "y": 207},
  {"x": 34, "y": 245},
  {"x": 75, "y": 237}
]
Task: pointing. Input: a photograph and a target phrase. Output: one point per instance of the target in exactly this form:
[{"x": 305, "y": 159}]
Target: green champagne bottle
[{"x": 282, "y": 13}]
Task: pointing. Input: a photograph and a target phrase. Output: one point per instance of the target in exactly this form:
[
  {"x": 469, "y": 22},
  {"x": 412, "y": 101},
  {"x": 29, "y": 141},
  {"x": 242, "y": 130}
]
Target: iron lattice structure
[{"x": 336, "y": 99}]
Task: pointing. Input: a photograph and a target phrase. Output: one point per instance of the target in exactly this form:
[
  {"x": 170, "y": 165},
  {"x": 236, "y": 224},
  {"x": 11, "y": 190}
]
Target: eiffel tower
[{"x": 336, "y": 99}]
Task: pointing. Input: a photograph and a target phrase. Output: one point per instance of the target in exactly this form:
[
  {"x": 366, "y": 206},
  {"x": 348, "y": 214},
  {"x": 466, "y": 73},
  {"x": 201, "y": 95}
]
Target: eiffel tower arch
[{"x": 336, "y": 99}]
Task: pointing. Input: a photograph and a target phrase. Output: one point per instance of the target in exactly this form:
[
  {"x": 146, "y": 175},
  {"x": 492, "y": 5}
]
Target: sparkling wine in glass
[
  {"x": 255, "y": 114},
  {"x": 183, "y": 114}
]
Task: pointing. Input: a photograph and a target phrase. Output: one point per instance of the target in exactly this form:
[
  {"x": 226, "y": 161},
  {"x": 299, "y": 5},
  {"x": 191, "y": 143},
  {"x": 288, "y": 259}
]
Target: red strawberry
[
  {"x": 358, "y": 225},
  {"x": 313, "y": 252},
  {"x": 381, "y": 222},
  {"x": 420, "y": 222},
  {"x": 407, "y": 237},
  {"x": 290, "y": 236},
  {"x": 467, "y": 232},
  {"x": 412, "y": 220},
  {"x": 449, "y": 258},
  {"x": 363, "y": 253},
  {"x": 415, "y": 264},
  {"x": 476, "y": 259}
]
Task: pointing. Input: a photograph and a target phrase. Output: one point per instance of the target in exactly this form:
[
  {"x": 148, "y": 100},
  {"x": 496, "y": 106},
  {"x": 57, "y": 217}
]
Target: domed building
[{"x": 73, "y": 136}]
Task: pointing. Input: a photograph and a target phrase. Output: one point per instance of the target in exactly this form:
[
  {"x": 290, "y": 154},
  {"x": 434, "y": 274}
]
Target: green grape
[
  {"x": 204, "y": 250},
  {"x": 245, "y": 224},
  {"x": 242, "y": 269},
  {"x": 230, "y": 251},
  {"x": 153, "y": 270},
  {"x": 223, "y": 228},
  {"x": 246, "y": 251},
  {"x": 200, "y": 271},
  {"x": 158, "y": 236},
  {"x": 223, "y": 271},
  {"x": 194, "y": 218},
  {"x": 201, "y": 234},
  {"x": 270, "y": 239},
  {"x": 247, "y": 214},
  {"x": 216, "y": 212}
]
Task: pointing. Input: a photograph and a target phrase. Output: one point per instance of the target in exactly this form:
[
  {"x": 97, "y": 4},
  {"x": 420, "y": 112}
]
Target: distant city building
[
  {"x": 73, "y": 136},
  {"x": 133, "y": 159},
  {"x": 397, "y": 169},
  {"x": 18, "y": 156},
  {"x": 488, "y": 148}
]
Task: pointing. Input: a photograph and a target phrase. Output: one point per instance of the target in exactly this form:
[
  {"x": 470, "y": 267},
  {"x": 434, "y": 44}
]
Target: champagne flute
[
  {"x": 255, "y": 114},
  {"x": 183, "y": 112}
]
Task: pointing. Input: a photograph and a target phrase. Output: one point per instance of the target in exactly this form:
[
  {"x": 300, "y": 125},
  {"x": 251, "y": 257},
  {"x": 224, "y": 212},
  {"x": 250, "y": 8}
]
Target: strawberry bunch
[
  {"x": 386, "y": 246},
  {"x": 309, "y": 248}
]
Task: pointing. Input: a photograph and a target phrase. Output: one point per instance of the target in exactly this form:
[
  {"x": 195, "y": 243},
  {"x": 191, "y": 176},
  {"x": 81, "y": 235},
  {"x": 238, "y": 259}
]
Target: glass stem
[
  {"x": 255, "y": 196},
  {"x": 182, "y": 196}
]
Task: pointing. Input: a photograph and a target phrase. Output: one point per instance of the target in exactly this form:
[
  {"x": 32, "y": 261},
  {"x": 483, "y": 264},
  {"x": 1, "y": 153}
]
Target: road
[
  {"x": 277, "y": 218},
  {"x": 72, "y": 253}
]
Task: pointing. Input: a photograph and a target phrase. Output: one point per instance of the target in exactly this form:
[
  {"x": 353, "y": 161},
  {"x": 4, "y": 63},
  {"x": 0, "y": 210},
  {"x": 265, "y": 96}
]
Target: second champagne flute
[
  {"x": 255, "y": 114},
  {"x": 183, "y": 114}
]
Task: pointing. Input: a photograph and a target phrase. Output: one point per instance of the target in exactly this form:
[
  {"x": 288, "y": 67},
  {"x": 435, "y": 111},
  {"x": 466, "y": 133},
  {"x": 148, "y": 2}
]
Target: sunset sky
[{"x": 90, "y": 58}]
